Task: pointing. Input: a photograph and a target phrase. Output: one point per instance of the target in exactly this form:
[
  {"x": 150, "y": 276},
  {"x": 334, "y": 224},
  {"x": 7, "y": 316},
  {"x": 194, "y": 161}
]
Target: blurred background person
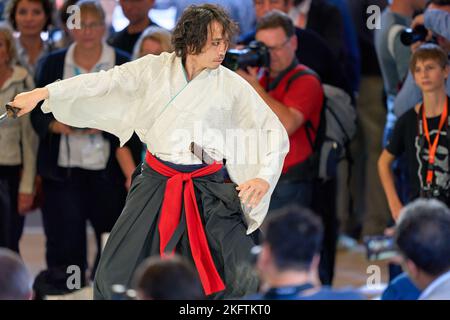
[
  {"x": 18, "y": 145},
  {"x": 63, "y": 16},
  {"x": 369, "y": 213},
  {"x": 312, "y": 50},
  {"x": 241, "y": 11},
  {"x": 136, "y": 11},
  {"x": 154, "y": 40},
  {"x": 30, "y": 18},
  {"x": 169, "y": 278},
  {"x": 422, "y": 236},
  {"x": 78, "y": 166},
  {"x": 289, "y": 259},
  {"x": 15, "y": 280},
  {"x": 410, "y": 93}
]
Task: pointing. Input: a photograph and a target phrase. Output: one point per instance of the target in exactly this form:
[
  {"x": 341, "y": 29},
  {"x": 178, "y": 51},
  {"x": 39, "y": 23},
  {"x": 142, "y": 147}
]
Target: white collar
[
  {"x": 304, "y": 7},
  {"x": 106, "y": 61},
  {"x": 433, "y": 285}
]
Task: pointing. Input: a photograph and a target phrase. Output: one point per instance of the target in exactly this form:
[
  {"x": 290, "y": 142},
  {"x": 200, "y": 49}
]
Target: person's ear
[
  {"x": 294, "y": 42},
  {"x": 447, "y": 71},
  {"x": 413, "y": 271},
  {"x": 264, "y": 258}
]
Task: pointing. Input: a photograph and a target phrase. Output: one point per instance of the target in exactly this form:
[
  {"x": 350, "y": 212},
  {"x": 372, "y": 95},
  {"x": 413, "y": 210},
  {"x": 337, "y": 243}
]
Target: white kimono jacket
[{"x": 218, "y": 110}]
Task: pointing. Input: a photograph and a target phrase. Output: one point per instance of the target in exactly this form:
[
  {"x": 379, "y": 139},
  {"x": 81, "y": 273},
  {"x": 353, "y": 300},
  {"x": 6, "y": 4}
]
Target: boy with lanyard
[{"x": 422, "y": 134}]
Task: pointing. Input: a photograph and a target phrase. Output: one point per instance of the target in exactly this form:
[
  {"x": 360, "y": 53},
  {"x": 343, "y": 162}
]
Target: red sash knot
[{"x": 180, "y": 186}]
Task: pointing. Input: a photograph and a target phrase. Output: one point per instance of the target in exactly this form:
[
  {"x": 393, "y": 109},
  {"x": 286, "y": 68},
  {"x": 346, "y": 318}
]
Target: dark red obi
[{"x": 180, "y": 186}]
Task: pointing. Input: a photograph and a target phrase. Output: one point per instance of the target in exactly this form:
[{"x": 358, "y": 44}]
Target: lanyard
[
  {"x": 286, "y": 293},
  {"x": 433, "y": 146}
]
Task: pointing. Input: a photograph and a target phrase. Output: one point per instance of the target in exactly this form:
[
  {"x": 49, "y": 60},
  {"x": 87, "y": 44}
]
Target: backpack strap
[
  {"x": 299, "y": 74},
  {"x": 308, "y": 124}
]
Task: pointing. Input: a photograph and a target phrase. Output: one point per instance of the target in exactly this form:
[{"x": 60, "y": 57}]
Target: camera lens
[
  {"x": 255, "y": 54},
  {"x": 410, "y": 36}
]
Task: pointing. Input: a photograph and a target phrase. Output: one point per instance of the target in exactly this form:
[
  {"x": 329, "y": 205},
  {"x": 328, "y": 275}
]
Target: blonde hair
[
  {"x": 158, "y": 34},
  {"x": 93, "y": 7},
  {"x": 6, "y": 31}
]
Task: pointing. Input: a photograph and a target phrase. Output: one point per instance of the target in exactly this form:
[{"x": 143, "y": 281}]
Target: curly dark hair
[
  {"x": 191, "y": 32},
  {"x": 12, "y": 8}
]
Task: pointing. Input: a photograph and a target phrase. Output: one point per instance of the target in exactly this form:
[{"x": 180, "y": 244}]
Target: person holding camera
[
  {"x": 295, "y": 95},
  {"x": 410, "y": 93},
  {"x": 435, "y": 19},
  {"x": 177, "y": 202},
  {"x": 421, "y": 134}
]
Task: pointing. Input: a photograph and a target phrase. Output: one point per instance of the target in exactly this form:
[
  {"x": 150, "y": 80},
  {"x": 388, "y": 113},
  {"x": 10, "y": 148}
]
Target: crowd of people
[{"x": 94, "y": 142}]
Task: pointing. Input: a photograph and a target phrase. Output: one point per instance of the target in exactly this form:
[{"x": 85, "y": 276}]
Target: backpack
[{"x": 337, "y": 127}]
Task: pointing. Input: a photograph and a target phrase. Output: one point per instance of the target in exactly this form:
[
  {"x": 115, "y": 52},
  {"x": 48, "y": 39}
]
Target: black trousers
[
  {"x": 135, "y": 235},
  {"x": 324, "y": 204},
  {"x": 11, "y": 223},
  {"x": 68, "y": 205}
]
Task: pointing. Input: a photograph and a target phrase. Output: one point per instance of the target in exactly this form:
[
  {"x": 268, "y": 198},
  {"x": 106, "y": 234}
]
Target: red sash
[{"x": 170, "y": 218}]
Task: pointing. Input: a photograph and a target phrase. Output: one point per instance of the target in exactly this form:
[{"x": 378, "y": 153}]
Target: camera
[
  {"x": 379, "y": 247},
  {"x": 410, "y": 36},
  {"x": 256, "y": 54}
]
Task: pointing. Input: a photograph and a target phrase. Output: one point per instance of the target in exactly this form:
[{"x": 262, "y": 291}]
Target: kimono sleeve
[
  {"x": 105, "y": 100},
  {"x": 265, "y": 155}
]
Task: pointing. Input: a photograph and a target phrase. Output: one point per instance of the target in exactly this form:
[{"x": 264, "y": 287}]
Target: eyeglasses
[
  {"x": 92, "y": 26},
  {"x": 278, "y": 47}
]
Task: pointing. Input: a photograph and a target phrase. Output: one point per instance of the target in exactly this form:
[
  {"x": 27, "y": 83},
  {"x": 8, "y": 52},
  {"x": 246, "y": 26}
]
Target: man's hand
[
  {"x": 419, "y": 20},
  {"x": 25, "y": 202},
  {"x": 27, "y": 101},
  {"x": 395, "y": 210},
  {"x": 251, "y": 75},
  {"x": 60, "y": 128},
  {"x": 252, "y": 191}
]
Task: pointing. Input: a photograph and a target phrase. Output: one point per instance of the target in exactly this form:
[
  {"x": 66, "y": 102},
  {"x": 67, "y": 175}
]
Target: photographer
[
  {"x": 295, "y": 95},
  {"x": 437, "y": 20},
  {"x": 295, "y": 100},
  {"x": 410, "y": 93},
  {"x": 421, "y": 134}
]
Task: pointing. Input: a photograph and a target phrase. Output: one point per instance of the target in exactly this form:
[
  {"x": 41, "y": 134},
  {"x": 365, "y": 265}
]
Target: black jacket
[
  {"x": 325, "y": 19},
  {"x": 50, "y": 69}
]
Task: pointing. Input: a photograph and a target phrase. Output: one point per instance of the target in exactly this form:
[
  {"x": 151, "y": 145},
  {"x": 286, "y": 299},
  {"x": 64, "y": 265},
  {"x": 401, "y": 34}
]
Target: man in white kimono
[{"x": 170, "y": 101}]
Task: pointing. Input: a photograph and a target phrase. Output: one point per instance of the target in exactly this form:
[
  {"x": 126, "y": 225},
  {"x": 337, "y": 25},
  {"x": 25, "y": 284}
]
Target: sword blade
[{"x": 3, "y": 117}]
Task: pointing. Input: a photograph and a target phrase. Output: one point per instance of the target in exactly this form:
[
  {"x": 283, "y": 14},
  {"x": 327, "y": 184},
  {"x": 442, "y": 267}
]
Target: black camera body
[
  {"x": 380, "y": 247},
  {"x": 256, "y": 54},
  {"x": 410, "y": 36}
]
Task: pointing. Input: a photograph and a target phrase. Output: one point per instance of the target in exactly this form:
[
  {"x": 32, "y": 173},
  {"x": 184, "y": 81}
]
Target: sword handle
[{"x": 12, "y": 111}]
